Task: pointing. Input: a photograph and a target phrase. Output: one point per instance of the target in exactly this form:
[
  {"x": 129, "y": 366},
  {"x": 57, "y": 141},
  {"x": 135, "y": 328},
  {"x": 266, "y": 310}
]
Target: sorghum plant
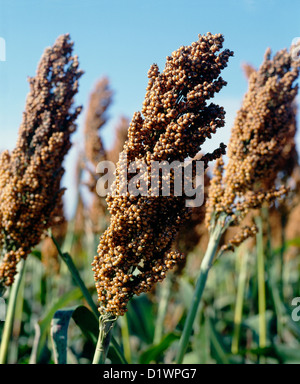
[
  {"x": 256, "y": 152},
  {"x": 98, "y": 210},
  {"x": 30, "y": 176},
  {"x": 96, "y": 117},
  {"x": 194, "y": 229},
  {"x": 121, "y": 132},
  {"x": 136, "y": 250},
  {"x": 49, "y": 253},
  {"x": 259, "y": 146}
]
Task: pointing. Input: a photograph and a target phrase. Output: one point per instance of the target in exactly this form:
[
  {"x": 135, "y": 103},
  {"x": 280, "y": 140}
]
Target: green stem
[
  {"x": 106, "y": 324},
  {"x": 281, "y": 254},
  {"x": 162, "y": 310},
  {"x": 261, "y": 286},
  {"x": 9, "y": 320},
  {"x": 206, "y": 264},
  {"x": 238, "y": 313},
  {"x": 125, "y": 337},
  {"x": 75, "y": 274}
]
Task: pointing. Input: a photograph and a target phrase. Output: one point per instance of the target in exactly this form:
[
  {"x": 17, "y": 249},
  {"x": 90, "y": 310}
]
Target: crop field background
[{"x": 135, "y": 279}]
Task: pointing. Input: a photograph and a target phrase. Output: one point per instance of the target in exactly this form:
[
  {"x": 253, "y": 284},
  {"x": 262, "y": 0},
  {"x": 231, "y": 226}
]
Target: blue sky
[{"x": 122, "y": 38}]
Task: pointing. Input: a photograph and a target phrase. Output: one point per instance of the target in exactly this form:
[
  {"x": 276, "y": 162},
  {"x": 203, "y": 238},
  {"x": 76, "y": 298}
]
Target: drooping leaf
[
  {"x": 59, "y": 334},
  {"x": 84, "y": 319},
  {"x": 43, "y": 325}
]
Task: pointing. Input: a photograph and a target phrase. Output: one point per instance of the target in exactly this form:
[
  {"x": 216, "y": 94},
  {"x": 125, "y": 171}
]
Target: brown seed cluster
[
  {"x": 194, "y": 228},
  {"x": 136, "y": 251},
  {"x": 288, "y": 161},
  {"x": 248, "y": 69},
  {"x": 193, "y": 233},
  {"x": 121, "y": 133},
  {"x": 262, "y": 140},
  {"x": 96, "y": 117},
  {"x": 78, "y": 221},
  {"x": 50, "y": 257},
  {"x": 97, "y": 211},
  {"x": 30, "y": 175}
]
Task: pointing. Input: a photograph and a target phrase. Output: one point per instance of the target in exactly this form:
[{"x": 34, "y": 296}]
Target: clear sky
[{"x": 122, "y": 38}]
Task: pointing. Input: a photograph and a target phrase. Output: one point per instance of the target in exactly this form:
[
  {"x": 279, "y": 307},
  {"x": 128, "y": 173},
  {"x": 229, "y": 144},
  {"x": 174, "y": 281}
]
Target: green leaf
[
  {"x": 85, "y": 320},
  {"x": 37, "y": 253},
  {"x": 287, "y": 354},
  {"x": 191, "y": 358},
  {"x": 217, "y": 345},
  {"x": 200, "y": 345},
  {"x": 141, "y": 319},
  {"x": 59, "y": 334},
  {"x": 43, "y": 325},
  {"x": 154, "y": 352}
]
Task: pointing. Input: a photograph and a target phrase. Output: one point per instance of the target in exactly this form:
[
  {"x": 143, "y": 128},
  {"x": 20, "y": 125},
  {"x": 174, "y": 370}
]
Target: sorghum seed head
[
  {"x": 30, "y": 175},
  {"x": 174, "y": 123}
]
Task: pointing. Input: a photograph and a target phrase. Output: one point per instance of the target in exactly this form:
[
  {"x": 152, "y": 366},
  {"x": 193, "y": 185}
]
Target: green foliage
[{"x": 55, "y": 324}]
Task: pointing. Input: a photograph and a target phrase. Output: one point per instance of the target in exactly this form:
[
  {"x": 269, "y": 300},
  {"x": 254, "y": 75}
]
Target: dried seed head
[
  {"x": 96, "y": 118},
  {"x": 136, "y": 251},
  {"x": 49, "y": 251},
  {"x": 261, "y": 144},
  {"x": 121, "y": 133},
  {"x": 30, "y": 176}
]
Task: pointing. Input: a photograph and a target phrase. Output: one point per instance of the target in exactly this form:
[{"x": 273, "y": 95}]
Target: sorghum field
[{"x": 137, "y": 278}]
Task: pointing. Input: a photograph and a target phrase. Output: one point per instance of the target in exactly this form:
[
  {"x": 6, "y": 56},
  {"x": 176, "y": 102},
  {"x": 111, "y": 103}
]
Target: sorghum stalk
[
  {"x": 211, "y": 251},
  {"x": 10, "y": 315},
  {"x": 106, "y": 323},
  {"x": 136, "y": 250},
  {"x": 261, "y": 285},
  {"x": 238, "y": 312},
  {"x": 125, "y": 337},
  {"x": 165, "y": 294}
]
